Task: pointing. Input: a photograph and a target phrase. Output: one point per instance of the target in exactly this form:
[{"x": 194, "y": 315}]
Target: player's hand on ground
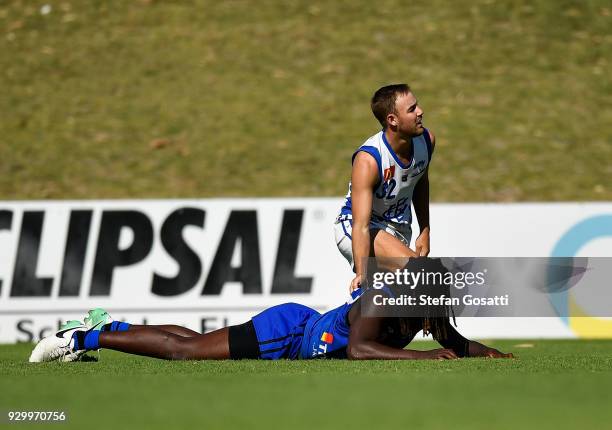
[
  {"x": 421, "y": 245},
  {"x": 440, "y": 354},
  {"x": 355, "y": 283},
  {"x": 494, "y": 353}
]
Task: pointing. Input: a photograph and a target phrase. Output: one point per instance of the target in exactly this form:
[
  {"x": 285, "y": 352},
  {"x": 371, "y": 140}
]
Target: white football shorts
[{"x": 343, "y": 230}]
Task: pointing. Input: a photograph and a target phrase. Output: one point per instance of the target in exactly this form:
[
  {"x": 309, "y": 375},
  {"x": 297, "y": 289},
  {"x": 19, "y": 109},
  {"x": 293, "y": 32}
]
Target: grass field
[
  {"x": 551, "y": 385},
  {"x": 198, "y": 98},
  {"x": 114, "y": 99}
]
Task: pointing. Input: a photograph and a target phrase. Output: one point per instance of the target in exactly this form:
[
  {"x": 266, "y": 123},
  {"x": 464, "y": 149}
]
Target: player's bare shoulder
[
  {"x": 365, "y": 169},
  {"x": 364, "y": 160}
]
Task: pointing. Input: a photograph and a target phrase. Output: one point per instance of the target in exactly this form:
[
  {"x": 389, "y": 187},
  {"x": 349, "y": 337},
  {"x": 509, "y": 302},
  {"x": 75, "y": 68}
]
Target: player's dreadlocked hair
[
  {"x": 435, "y": 318},
  {"x": 437, "y": 323},
  {"x": 383, "y": 101}
]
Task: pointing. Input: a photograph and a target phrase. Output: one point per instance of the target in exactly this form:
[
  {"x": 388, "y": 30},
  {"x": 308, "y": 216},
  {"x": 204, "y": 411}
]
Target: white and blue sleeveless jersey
[{"x": 396, "y": 180}]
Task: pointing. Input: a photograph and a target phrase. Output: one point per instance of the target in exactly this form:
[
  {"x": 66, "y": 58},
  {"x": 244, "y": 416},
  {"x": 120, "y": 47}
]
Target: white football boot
[{"x": 59, "y": 346}]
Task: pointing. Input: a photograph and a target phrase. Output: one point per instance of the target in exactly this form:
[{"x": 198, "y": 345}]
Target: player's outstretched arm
[{"x": 363, "y": 344}]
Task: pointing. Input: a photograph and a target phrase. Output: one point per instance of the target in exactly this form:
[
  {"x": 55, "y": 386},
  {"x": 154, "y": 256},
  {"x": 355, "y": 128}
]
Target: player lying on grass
[{"x": 290, "y": 331}]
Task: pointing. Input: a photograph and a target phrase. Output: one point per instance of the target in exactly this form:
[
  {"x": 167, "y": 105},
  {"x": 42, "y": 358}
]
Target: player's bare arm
[
  {"x": 364, "y": 344},
  {"x": 366, "y": 243},
  {"x": 364, "y": 178},
  {"x": 420, "y": 200}
]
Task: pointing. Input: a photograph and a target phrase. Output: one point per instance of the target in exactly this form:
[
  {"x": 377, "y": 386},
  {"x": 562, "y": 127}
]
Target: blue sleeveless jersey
[
  {"x": 327, "y": 335},
  {"x": 295, "y": 331}
]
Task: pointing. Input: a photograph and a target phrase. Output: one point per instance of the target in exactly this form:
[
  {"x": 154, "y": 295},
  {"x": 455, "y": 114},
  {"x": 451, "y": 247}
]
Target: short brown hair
[{"x": 383, "y": 101}]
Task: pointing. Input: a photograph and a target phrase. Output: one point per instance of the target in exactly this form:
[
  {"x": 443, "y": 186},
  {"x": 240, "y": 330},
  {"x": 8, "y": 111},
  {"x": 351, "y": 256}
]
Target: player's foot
[
  {"x": 70, "y": 325},
  {"x": 59, "y": 346},
  {"x": 97, "y": 318}
]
